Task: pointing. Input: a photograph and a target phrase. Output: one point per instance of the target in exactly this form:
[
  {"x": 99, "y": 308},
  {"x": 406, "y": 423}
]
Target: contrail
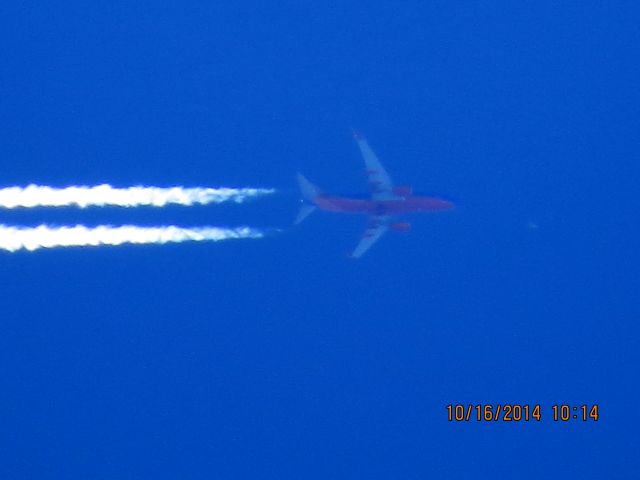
[
  {"x": 106, "y": 195},
  {"x": 32, "y": 238}
]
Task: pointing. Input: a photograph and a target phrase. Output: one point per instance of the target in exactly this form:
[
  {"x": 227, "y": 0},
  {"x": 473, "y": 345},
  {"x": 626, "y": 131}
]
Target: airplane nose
[{"x": 446, "y": 204}]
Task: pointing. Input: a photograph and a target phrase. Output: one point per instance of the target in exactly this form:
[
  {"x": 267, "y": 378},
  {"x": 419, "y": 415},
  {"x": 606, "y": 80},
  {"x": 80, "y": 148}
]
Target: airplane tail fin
[{"x": 309, "y": 193}]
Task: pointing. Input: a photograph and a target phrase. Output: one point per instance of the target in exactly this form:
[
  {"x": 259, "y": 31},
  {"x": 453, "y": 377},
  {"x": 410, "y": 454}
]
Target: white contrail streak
[
  {"x": 32, "y": 238},
  {"x": 106, "y": 195}
]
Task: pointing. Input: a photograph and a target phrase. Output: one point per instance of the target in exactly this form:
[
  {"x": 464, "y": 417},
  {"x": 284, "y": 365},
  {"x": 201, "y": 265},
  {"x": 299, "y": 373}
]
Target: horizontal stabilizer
[
  {"x": 305, "y": 211},
  {"x": 308, "y": 189}
]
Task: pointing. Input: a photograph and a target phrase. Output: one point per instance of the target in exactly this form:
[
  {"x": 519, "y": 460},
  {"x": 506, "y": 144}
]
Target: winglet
[{"x": 357, "y": 134}]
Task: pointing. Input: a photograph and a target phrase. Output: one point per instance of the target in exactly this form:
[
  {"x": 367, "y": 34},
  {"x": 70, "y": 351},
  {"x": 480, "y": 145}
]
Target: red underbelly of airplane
[{"x": 385, "y": 207}]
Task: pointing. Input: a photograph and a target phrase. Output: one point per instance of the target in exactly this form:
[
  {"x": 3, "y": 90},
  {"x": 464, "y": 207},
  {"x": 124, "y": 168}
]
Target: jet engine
[
  {"x": 402, "y": 191},
  {"x": 401, "y": 226}
]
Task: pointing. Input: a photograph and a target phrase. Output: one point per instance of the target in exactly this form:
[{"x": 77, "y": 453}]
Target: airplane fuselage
[
  {"x": 396, "y": 206},
  {"x": 387, "y": 200}
]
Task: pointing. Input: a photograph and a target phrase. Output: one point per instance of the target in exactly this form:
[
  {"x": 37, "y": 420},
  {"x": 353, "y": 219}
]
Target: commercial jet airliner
[{"x": 386, "y": 201}]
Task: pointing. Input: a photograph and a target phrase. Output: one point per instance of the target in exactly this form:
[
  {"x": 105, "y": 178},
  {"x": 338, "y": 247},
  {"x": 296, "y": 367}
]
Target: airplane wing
[
  {"x": 377, "y": 227},
  {"x": 380, "y": 182}
]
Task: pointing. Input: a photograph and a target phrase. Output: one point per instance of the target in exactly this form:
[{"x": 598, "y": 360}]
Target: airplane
[{"x": 385, "y": 202}]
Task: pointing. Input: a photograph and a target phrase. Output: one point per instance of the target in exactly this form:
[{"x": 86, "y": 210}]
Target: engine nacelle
[
  {"x": 401, "y": 226},
  {"x": 402, "y": 190}
]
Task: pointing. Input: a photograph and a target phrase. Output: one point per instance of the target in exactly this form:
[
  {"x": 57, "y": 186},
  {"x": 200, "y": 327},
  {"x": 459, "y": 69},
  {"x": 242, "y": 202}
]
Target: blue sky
[{"x": 281, "y": 358}]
